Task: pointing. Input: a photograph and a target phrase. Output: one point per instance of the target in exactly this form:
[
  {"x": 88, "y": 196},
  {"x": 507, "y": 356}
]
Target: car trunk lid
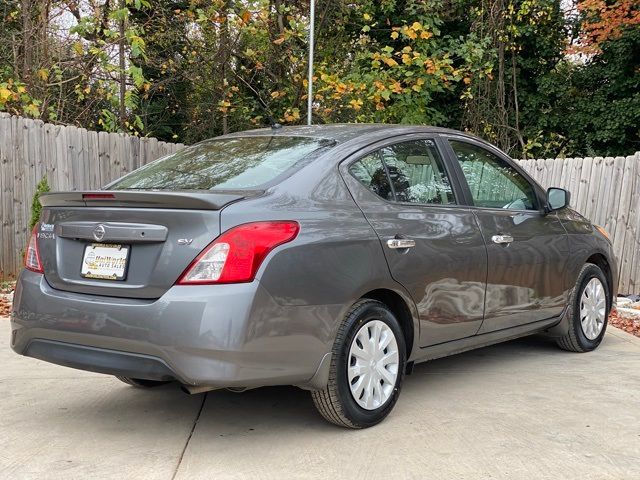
[{"x": 154, "y": 236}]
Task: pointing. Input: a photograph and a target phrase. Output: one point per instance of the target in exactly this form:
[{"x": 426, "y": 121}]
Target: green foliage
[
  {"x": 193, "y": 69},
  {"x": 71, "y": 71},
  {"x": 403, "y": 66},
  {"x": 594, "y": 107},
  {"x": 36, "y": 208}
]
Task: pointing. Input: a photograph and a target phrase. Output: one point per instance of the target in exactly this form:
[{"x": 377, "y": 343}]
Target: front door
[
  {"x": 526, "y": 248},
  {"x": 433, "y": 245}
]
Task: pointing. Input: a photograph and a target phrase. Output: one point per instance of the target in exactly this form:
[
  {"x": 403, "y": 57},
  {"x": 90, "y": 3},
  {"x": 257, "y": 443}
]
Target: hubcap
[
  {"x": 593, "y": 306},
  {"x": 373, "y": 365}
]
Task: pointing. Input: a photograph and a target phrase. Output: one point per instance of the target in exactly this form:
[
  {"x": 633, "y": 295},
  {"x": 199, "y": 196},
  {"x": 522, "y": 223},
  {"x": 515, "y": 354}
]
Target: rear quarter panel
[{"x": 335, "y": 259}]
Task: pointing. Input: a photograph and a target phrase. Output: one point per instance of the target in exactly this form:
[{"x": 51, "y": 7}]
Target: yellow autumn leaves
[
  {"x": 413, "y": 31},
  {"x": 16, "y": 94},
  {"x": 5, "y": 94},
  {"x": 406, "y": 71}
]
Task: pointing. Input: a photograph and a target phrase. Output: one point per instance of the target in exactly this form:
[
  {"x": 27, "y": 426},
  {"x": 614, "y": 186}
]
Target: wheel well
[
  {"x": 399, "y": 308},
  {"x": 600, "y": 261}
]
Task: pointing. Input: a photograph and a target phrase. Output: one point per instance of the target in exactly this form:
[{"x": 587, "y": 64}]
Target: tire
[
  {"x": 336, "y": 402},
  {"x": 141, "y": 383},
  {"x": 576, "y": 339}
]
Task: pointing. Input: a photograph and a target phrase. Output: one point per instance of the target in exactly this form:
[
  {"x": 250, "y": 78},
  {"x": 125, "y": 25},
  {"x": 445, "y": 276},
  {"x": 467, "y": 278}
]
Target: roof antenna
[
  {"x": 260, "y": 103},
  {"x": 267, "y": 113},
  {"x": 312, "y": 21}
]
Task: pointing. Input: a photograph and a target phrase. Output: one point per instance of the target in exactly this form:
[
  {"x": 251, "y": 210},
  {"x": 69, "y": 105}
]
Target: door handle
[
  {"x": 400, "y": 243},
  {"x": 502, "y": 239}
]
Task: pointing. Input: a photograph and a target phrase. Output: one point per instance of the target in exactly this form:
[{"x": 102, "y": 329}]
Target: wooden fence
[
  {"x": 605, "y": 190},
  {"x": 71, "y": 158}
]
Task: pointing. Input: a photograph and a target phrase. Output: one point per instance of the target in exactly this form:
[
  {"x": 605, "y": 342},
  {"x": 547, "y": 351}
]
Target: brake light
[
  {"x": 98, "y": 196},
  {"x": 236, "y": 255},
  {"x": 32, "y": 255}
]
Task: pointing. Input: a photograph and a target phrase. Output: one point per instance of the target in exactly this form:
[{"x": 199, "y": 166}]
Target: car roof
[
  {"x": 345, "y": 132},
  {"x": 342, "y": 132}
]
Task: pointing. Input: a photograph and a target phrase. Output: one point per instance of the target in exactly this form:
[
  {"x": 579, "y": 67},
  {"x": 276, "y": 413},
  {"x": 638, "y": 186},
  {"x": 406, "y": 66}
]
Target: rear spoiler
[{"x": 196, "y": 200}]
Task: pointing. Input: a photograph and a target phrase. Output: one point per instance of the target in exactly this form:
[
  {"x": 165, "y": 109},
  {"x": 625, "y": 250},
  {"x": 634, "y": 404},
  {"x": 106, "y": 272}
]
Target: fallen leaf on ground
[
  {"x": 5, "y": 307},
  {"x": 627, "y": 324}
]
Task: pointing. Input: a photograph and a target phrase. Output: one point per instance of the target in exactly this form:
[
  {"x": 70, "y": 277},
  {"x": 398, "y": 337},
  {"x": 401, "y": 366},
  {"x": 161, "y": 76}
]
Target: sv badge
[{"x": 185, "y": 241}]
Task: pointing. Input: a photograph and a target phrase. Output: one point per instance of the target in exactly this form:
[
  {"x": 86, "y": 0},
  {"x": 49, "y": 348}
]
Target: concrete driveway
[{"x": 518, "y": 410}]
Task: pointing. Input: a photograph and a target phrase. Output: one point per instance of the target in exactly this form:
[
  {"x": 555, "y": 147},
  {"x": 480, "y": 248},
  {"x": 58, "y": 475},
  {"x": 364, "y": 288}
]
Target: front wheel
[
  {"x": 367, "y": 367},
  {"x": 588, "y": 311}
]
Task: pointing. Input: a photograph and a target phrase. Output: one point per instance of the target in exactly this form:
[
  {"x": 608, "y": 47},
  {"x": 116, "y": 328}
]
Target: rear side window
[
  {"x": 407, "y": 172},
  {"x": 226, "y": 164},
  {"x": 492, "y": 181},
  {"x": 371, "y": 173},
  {"x": 417, "y": 173}
]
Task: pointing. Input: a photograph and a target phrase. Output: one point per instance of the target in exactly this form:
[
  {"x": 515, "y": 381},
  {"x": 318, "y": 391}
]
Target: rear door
[
  {"x": 527, "y": 249},
  {"x": 432, "y": 244}
]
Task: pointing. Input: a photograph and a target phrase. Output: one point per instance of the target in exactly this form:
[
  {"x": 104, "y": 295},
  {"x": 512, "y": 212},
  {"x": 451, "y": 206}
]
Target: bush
[{"x": 36, "y": 208}]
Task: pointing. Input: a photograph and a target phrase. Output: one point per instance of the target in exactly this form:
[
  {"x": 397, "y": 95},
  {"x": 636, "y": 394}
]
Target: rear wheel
[
  {"x": 588, "y": 311},
  {"x": 141, "y": 383},
  {"x": 367, "y": 368}
]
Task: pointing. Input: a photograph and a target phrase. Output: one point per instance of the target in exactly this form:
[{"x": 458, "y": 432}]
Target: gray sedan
[{"x": 328, "y": 257}]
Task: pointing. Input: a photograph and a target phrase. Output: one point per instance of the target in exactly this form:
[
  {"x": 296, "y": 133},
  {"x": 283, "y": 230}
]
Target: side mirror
[{"x": 557, "y": 198}]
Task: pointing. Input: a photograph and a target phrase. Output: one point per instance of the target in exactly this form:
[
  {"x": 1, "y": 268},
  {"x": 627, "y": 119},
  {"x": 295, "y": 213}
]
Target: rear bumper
[
  {"x": 218, "y": 335},
  {"x": 100, "y": 360}
]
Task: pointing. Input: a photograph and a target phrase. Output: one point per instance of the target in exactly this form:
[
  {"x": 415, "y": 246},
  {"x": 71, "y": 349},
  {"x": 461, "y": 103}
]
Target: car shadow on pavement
[
  {"x": 277, "y": 409},
  {"x": 506, "y": 396}
]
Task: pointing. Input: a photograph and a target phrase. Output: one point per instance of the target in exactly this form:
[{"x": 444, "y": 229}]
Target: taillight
[
  {"x": 32, "y": 256},
  {"x": 237, "y": 254}
]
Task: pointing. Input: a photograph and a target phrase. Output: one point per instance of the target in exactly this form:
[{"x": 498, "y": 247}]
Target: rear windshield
[{"x": 225, "y": 164}]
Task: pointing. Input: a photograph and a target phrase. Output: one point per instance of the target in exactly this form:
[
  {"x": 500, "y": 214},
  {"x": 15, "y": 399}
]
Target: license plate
[{"x": 105, "y": 261}]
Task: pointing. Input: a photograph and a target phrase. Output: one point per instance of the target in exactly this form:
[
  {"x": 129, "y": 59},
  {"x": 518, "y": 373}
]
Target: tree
[
  {"x": 71, "y": 74},
  {"x": 400, "y": 67},
  {"x": 598, "y": 102},
  {"x": 528, "y": 75},
  {"x": 605, "y": 21},
  {"x": 166, "y": 68},
  {"x": 526, "y": 41}
]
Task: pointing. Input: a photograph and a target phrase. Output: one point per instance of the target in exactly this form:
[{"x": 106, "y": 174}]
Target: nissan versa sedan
[{"x": 329, "y": 257}]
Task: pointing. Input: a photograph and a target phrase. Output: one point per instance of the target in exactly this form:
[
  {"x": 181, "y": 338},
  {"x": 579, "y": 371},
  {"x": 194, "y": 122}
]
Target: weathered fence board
[
  {"x": 71, "y": 158},
  {"x": 605, "y": 190}
]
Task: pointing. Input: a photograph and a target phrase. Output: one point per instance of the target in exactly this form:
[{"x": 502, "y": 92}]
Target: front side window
[
  {"x": 492, "y": 181},
  {"x": 417, "y": 173},
  {"x": 230, "y": 163}
]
